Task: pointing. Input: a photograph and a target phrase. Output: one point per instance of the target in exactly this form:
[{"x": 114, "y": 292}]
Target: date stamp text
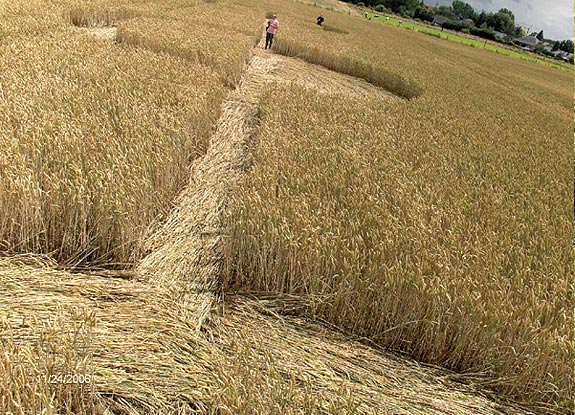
[{"x": 69, "y": 378}]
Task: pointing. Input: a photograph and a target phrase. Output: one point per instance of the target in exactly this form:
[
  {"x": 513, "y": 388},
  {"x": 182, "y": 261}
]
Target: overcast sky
[{"x": 554, "y": 17}]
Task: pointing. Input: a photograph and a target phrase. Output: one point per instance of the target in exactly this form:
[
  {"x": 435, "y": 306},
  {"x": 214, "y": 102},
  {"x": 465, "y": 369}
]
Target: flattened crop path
[{"x": 186, "y": 252}]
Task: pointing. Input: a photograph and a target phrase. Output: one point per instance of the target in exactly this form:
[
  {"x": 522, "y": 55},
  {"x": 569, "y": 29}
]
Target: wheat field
[
  {"x": 430, "y": 213},
  {"x": 98, "y": 149},
  {"x": 440, "y": 226}
]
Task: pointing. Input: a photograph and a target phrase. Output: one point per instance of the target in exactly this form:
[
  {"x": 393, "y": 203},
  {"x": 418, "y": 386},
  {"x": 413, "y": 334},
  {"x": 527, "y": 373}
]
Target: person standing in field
[{"x": 271, "y": 31}]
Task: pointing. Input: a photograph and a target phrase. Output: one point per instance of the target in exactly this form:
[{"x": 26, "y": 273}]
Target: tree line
[{"x": 486, "y": 23}]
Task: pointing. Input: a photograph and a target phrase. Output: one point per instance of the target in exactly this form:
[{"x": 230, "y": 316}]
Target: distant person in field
[
  {"x": 320, "y": 20},
  {"x": 271, "y": 31}
]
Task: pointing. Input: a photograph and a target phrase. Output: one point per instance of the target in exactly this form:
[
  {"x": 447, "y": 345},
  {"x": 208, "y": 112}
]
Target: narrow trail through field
[{"x": 186, "y": 252}]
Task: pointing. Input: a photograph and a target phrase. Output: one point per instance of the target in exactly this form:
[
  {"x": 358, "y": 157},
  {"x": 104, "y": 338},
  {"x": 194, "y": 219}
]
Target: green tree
[
  {"x": 556, "y": 45},
  {"x": 508, "y": 12},
  {"x": 519, "y": 32},
  {"x": 502, "y": 21},
  {"x": 481, "y": 17},
  {"x": 446, "y": 11},
  {"x": 483, "y": 32},
  {"x": 401, "y": 5},
  {"x": 423, "y": 13},
  {"x": 566, "y": 46},
  {"x": 456, "y": 25},
  {"x": 463, "y": 10}
]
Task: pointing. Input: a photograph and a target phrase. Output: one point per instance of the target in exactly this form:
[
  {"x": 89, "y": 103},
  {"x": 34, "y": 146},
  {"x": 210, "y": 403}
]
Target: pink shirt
[{"x": 273, "y": 26}]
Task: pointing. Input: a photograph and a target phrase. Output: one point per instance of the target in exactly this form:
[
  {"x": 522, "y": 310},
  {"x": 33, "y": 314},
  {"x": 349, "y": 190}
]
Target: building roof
[
  {"x": 555, "y": 53},
  {"x": 562, "y": 54},
  {"x": 500, "y": 35},
  {"x": 530, "y": 41},
  {"x": 439, "y": 19}
]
